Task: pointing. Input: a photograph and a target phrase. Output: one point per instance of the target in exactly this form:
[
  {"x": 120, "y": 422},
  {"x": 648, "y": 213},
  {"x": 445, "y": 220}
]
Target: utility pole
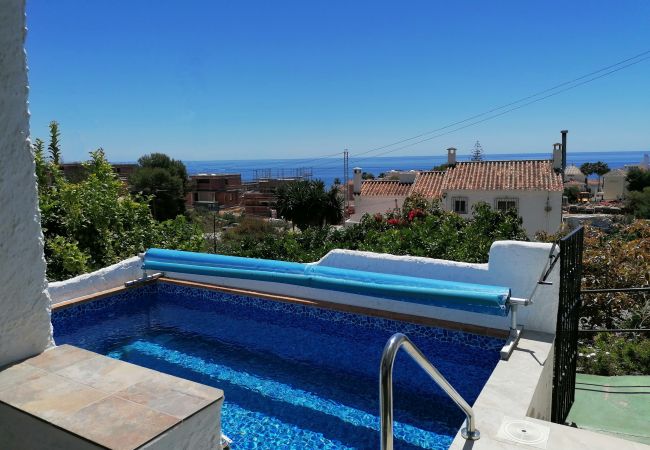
[{"x": 346, "y": 169}]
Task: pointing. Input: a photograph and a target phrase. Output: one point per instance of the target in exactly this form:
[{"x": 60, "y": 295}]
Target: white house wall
[
  {"x": 614, "y": 187},
  {"x": 372, "y": 205},
  {"x": 25, "y": 327},
  {"x": 531, "y": 206}
]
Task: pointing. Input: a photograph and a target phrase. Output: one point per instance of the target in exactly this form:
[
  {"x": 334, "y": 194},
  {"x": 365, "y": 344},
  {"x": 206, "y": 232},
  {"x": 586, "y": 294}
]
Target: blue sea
[{"x": 330, "y": 168}]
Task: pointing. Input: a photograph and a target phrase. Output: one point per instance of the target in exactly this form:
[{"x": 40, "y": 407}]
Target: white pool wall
[
  {"x": 89, "y": 283},
  {"x": 514, "y": 264}
]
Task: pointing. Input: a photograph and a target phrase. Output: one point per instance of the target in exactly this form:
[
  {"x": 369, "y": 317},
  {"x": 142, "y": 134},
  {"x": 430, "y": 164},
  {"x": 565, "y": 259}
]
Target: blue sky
[{"x": 258, "y": 79}]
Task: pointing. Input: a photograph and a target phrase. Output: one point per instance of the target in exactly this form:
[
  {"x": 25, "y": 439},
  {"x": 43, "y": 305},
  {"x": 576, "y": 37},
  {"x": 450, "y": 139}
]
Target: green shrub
[
  {"x": 423, "y": 231},
  {"x": 615, "y": 355},
  {"x": 96, "y": 222}
]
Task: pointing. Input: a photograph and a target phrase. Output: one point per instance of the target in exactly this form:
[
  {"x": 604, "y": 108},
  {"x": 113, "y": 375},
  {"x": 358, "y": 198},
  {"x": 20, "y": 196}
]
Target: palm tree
[{"x": 307, "y": 204}]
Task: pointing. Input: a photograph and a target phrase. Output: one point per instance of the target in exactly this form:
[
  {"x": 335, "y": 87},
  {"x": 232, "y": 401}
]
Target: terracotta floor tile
[
  {"x": 118, "y": 424},
  {"x": 51, "y": 397},
  {"x": 105, "y": 374},
  {"x": 60, "y": 357},
  {"x": 168, "y": 401},
  {"x": 13, "y": 376}
]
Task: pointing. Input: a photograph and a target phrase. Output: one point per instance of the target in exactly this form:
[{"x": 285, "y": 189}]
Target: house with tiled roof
[
  {"x": 379, "y": 196},
  {"x": 532, "y": 187}
]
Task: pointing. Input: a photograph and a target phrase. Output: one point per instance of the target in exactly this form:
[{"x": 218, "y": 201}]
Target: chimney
[
  {"x": 356, "y": 180},
  {"x": 451, "y": 156},
  {"x": 564, "y": 132},
  {"x": 557, "y": 157}
]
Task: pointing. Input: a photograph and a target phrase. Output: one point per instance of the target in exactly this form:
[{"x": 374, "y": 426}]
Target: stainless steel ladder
[{"x": 393, "y": 345}]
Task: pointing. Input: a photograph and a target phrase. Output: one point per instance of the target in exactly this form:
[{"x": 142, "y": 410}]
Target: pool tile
[
  {"x": 60, "y": 357},
  {"x": 125, "y": 425},
  {"x": 105, "y": 374},
  {"x": 50, "y": 397}
]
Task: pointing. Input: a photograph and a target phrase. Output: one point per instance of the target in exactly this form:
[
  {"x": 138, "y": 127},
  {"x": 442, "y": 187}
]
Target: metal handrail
[{"x": 397, "y": 341}]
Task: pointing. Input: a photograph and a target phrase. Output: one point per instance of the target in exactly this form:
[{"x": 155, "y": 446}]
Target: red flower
[
  {"x": 393, "y": 222},
  {"x": 415, "y": 213},
  {"x": 378, "y": 217}
]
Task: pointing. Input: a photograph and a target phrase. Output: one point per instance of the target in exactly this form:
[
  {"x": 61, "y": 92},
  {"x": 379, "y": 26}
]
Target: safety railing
[{"x": 393, "y": 345}]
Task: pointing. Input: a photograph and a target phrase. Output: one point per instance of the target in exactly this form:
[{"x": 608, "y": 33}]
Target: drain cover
[{"x": 523, "y": 432}]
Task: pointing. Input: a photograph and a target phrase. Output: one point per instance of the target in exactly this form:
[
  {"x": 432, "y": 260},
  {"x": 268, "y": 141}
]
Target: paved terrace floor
[{"x": 619, "y": 406}]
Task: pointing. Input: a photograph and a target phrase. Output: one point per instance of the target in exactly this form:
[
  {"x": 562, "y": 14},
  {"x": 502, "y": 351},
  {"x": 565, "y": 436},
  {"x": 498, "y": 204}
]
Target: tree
[
  {"x": 55, "y": 145},
  {"x": 639, "y": 203},
  {"x": 164, "y": 181},
  {"x": 95, "y": 222},
  {"x": 367, "y": 176},
  {"x": 306, "y": 203},
  {"x": 572, "y": 193},
  {"x": 477, "y": 152},
  {"x": 598, "y": 168},
  {"x": 337, "y": 181},
  {"x": 637, "y": 179},
  {"x": 440, "y": 167},
  {"x": 39, "y": 158}
]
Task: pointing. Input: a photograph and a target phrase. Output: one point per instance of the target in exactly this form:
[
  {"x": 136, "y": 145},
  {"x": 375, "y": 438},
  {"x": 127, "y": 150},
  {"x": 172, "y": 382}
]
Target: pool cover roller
[{"x": 447, "y": 294}]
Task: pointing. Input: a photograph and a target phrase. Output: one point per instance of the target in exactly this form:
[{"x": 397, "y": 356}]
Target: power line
[
  {"x": 552, "y": 94},
  {"x": 507, "y": 104}
]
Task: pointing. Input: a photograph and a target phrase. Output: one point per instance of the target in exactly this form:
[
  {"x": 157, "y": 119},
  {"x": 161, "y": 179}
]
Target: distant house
[
  {"x": 531, "y": 187},
  {"x": 259, "y": 196},
  {"x": 573, "y": 174},
  {"x": 208, "y": 189},
  {"x": 615, "y": 184},
  {"x": 75, "y": 171}
]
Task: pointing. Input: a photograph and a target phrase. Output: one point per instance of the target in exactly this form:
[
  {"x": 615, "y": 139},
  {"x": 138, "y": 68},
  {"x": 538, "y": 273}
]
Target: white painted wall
[
  {"x": 25, "y": 327},
  {"x": 513, "y": 264},
  {"x": 532, "y": 206},
  {"x": 614, "y": 185},
  {"x": 100, "y": 280},
  {"x": 372, "y": 205}
]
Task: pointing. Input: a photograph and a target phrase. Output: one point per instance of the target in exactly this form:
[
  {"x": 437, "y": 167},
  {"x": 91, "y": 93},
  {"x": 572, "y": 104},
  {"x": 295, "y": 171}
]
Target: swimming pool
[{"x": 294, "y": 376}]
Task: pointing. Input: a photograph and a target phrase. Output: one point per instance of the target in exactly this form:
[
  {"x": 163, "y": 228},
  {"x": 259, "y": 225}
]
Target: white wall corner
[{"x": 25, "y": 327}]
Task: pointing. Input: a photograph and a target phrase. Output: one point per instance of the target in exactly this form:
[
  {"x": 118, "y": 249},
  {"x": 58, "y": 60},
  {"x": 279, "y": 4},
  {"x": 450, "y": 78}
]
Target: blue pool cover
[{"x": 447, "y": 294}]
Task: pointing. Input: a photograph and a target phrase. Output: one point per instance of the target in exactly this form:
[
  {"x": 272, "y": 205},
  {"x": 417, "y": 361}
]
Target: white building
[
  {"x": 615, "y": 185},
  {"x": 533, "y": 188}
]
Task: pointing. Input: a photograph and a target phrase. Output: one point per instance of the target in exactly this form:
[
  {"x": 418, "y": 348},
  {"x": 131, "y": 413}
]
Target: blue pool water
[{"x": 294, "y": 376}]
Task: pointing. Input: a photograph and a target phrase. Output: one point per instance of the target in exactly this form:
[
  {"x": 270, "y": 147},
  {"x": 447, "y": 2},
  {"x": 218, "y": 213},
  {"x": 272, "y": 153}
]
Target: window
[
  {"x": 460, "y": 205},
  {"x": 206, "y": 196},
  {"x": 506, "y": 204},
  {"x": 203, "y": 181}
]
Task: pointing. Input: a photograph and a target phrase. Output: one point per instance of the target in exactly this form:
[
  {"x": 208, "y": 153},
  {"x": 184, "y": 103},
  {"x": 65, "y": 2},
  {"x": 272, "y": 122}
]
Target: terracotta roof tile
[
  {"x": 384, "y": 188},
  {"x": 527, "y": 175},
  {"x": 428, "y": 184}
]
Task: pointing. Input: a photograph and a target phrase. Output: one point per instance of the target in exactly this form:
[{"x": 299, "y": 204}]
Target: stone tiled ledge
[
  {"x": 520, "y": 389},
  {"x": 107, "y": 403}
]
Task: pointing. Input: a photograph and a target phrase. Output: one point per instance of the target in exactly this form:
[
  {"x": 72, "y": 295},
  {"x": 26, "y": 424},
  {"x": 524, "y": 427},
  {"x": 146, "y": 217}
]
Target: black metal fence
[{"x": 568, "y": 317}]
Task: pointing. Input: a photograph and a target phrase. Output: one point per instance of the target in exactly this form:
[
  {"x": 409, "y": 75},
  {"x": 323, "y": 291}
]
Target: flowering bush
[{"x": 431, "y": 232}]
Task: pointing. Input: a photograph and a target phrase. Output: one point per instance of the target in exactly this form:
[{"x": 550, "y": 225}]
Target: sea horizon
[{"x": 327, "y": 169}]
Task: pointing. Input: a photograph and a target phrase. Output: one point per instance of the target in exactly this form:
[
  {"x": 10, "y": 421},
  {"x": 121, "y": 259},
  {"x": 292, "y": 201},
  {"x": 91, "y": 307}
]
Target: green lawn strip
[{"x": 614, "y": 405}]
